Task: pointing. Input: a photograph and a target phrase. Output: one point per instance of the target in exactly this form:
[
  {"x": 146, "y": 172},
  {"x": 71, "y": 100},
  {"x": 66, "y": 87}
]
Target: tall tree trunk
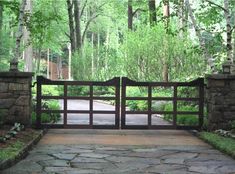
[
  {"x": 1, "y": 19},
  {"x": 166, "y": 15},
  {"x": 19, "y": 35},
  {"x": 107, "y": 49},
  {"x": 227, "y": 16},
  {"x": 28, "y": 52},
  {"x": 69, "y": 63},
  {"x": 38, "y": 61},
  {"x": 92, "y": 55},
  {"x": 152, "y": 12},
  {"x": 48, "y": 63},
  {"x": 59, "y": 67},
  {"x": 71, "y": 25},
  {"x": 234, "y": 39},
  {"x": 181, "y": 17},
  {"x": 77, "y": 24},
  {"x": 208, "y": 58},
  {"x": 130, "y": 15}
]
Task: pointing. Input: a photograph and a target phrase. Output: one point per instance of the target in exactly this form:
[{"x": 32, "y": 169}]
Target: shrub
[{"x": 187, "y": 119}]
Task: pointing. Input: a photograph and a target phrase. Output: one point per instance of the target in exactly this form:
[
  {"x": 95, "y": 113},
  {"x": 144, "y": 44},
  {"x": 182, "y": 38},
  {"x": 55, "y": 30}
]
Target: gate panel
[
  {"x": 66, "y": 112},
  {"x": 151, "y": 114}
]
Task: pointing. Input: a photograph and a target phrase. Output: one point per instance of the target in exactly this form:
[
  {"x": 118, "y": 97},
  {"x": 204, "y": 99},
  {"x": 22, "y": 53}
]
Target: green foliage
[
  {"x": 47, "y": 90},
  {"x": 45, "y": 117},
  {"x": 11, "y": 151},
  {"x": 185, "y": 119},
  {"x": 143, "y": 53},
  {"x": 223, "y": 144}
]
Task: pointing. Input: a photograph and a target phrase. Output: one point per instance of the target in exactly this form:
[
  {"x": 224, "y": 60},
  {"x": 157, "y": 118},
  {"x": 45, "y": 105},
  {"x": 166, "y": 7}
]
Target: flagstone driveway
[{"x": 121, "y": 151}]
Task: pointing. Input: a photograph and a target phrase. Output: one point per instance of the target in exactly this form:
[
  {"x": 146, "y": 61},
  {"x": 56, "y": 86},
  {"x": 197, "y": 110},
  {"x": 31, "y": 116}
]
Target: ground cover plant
[{"x": 224, "y": 144}]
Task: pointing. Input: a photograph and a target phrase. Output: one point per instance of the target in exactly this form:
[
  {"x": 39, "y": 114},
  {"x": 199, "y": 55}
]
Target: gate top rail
[
  {"x": 196, "y": 82},
  {"x": 45, "y": 81}
]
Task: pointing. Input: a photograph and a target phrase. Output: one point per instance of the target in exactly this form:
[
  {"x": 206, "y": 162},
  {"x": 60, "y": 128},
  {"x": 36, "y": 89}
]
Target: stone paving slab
[{"x": 198, "y": 158}]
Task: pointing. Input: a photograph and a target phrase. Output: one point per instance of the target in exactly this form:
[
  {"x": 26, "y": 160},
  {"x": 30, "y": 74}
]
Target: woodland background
[{"x": 145, "y": 40}]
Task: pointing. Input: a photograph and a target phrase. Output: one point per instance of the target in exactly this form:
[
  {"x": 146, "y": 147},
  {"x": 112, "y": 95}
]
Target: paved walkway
[{"x": 127, "y": 152}]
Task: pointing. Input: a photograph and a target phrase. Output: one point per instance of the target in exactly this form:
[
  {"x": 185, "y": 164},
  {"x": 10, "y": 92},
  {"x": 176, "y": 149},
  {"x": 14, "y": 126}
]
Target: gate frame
[
  {"x": 115, "y": 82},
  {"x": 195, "y": 83},
  {"x": 120, "y": 103}
]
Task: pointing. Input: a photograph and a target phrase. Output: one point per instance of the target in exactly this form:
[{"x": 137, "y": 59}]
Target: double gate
[{"x": 123, "y": 116}]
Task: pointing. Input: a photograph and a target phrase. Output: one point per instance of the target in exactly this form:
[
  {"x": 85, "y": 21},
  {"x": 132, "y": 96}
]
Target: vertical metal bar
[
  {"x": 175, "y": 107},
  {"x": 91, "y": 106},
  {"x": 117, "y": 103},
  {"x": 201, "y": 102},
  {"x": 149, "y": 105},
  {"x": 123, "y": 103},
  {"x": 39, "y": 103},
  {"x": 65, "y": 103}
]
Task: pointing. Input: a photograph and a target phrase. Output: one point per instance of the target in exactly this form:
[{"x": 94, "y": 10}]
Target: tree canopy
[{"x": 153, "y": 40}]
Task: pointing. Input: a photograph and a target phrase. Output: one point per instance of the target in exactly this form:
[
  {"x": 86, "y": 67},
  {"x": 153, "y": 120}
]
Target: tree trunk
[
  {"x": 234, "y": 40},
  {"x": 48, "y": 63},
  {"x": 166, "y": 15},
  {"x": 1, "y": 18},
  {"x": 71, "y": 25},
  {"x": 130, "y": 15},
  {"x": 69, "y": 63},
  {"x": 107, "y": 49},
  {"x": 152, "y": 12},
  {"x": 77, "y": 24},
  {"x": 92, "y": 55},
  {"x": 181, "y": 17},
  {"x": 28, "y": 52},
  {"x": 59, "y": 67},
  {"x": 208, "y": 58},
  {"x": 227, "y": 16},
  {"x": 18, "y": 37},
  {"x": 38, "y": 61}
]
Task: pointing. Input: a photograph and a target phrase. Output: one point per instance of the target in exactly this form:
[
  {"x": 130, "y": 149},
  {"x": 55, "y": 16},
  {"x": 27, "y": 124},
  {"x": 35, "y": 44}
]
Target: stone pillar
[
  {"x": 221, "y": 101},
  {"x": 15, "y": 97}
]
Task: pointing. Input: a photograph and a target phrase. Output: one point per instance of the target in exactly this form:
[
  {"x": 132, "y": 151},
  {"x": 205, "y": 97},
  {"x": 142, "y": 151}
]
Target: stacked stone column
[
  {"x": 15, "y": 97},
  {"x": 221, "y": 101}
]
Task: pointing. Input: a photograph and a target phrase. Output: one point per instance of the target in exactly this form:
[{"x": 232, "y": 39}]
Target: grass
[
  {"x": 224, "y": 144},
  {"x": 11, "y": 151}
]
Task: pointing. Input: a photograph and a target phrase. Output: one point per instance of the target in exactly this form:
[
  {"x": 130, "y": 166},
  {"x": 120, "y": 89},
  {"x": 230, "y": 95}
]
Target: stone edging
[{"x": 22, "y": 153}]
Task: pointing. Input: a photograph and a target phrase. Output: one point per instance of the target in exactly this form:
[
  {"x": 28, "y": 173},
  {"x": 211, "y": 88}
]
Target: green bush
[
  {"x": 190, "y": 120},
  {"x": 142, "y": 105},
  {"x": 48, "y": 90}
]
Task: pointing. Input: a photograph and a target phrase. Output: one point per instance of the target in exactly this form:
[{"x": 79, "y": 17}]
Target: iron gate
[
  {"x": 149, "y": 98},
  {"x": 115, "y": 82},
  {"x": 149, "y": 118}
]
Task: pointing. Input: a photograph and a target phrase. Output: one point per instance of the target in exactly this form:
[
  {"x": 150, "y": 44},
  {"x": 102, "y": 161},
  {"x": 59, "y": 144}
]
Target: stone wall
[
  {"x": 221, "y": 101},
  {"x": 15, "y": 97}
]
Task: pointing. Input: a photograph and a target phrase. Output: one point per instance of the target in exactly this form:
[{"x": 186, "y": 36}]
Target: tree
[
  {"x": 130, "y": 15},
  {"x": 166, "y": 16},
  {"x": 28, "y": 52},
  {"x": 14, "y": 61},
  {"x": 77, "y": 24},
  {"x": 71, "y": 25},
  {"x": 152, "y": 12},
  {"x": 229, "y": 30},
  {"x": 207, "y": 56},
  {"x": 1, "y": 18}
]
